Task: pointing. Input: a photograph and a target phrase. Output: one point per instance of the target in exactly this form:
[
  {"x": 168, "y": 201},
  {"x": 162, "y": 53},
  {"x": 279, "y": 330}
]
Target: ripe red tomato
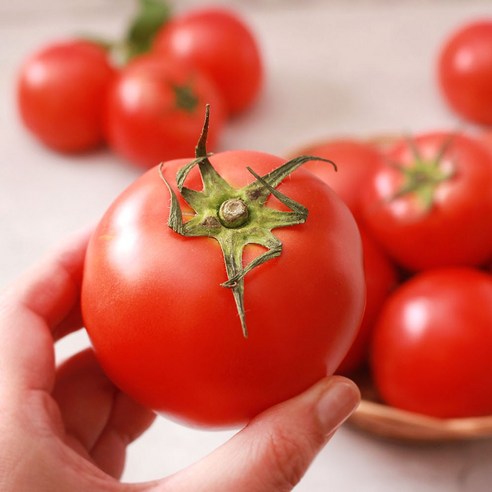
[
  {"x": 169, "y": 334},
  {"x": 221, "y": 45},
  {"x": 430, "y": 204},
  {"x": 465, "y": 71},
  {"x": 432, "y": 346},
  {"x": 381, "y": 278},
  {"x": 355, "y": 160},
  {"x": 61, "y": 92},
  {"x": 155, "y": 111}
]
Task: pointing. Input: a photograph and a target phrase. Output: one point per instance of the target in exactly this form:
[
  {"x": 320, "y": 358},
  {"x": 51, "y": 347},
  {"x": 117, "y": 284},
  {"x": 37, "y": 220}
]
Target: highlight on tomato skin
[
  {"x": 60, "y": 94},
  {"x": 168, "y": 334}
]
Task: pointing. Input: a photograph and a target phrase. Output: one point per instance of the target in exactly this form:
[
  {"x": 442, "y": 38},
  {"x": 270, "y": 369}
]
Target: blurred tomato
[
  {"x": 464, "y": 71},
  {"x": 222, "y": 46},
  {"x": 381, "y": 278},
  {"x": 429, "y": 205},
  {"x": 356, "y": 161},
  {"x": 432, "y": 345},
  {"x": 61, "y": 93},
  {"x": 156, "y": 108}
]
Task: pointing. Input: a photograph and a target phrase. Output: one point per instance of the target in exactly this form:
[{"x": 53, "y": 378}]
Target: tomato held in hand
[
  {"x": 430, "y": 204},
  {"x": 465, "y": 71},
  {"x": 432, "y": 346},
  {"x": 61, "y": 93},
  {"x": 155, "y": 111},
  {"x": 221, "y": 45},
  {"x": 168, "y": 320}
]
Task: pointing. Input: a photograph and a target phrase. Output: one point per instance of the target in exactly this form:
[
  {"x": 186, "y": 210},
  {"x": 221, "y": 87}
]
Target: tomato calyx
[
  {"x": 235, "y": 217},
  {"x": 423, "y": 176},
  {"x": 150, "y": 17},
  {"x": 186, "y": 99}
]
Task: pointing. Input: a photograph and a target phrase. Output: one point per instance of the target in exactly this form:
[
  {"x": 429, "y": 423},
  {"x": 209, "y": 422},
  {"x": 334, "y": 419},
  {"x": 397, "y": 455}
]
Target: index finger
[{"x": 33, "y": 308}]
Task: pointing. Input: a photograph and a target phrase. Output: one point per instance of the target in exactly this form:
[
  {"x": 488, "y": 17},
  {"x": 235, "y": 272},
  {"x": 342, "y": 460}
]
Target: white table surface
[{"x": 333, "y": 68}]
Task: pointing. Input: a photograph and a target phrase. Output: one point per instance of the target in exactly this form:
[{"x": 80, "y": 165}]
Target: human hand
[{"x": 66, "y": 429}]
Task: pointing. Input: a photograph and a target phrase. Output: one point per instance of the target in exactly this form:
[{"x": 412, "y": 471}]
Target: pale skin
[{"x": 66, "y": 429}]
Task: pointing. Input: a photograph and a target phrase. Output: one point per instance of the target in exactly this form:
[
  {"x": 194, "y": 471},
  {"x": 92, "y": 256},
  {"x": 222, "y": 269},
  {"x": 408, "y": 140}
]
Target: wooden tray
[{"x": 381, "y": 420}]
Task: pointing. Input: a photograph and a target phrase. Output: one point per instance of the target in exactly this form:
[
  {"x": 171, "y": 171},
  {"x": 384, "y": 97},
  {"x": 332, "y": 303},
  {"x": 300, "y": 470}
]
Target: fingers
[
  {"x": 51, "y": 288},
  {"x": 274, "y": 451},
  {"x": 31, "y": 311},
  {"x": 99, "y": 420}
]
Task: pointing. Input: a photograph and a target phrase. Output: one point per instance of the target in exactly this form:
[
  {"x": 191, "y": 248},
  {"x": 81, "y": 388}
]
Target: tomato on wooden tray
[
  {"x": 216, "y": 318},
  {"x": 432, "y": 345},
  {"x": 381, "y": 278},
  {"x": 430, "y": 204},
  {"x": 155, "y": 110},
  {"x": 61, "y": 92},
  {"x": 220, "y": 44},
  {"x": 464, "y": 71},
  {"x": 356, "y": 161}
]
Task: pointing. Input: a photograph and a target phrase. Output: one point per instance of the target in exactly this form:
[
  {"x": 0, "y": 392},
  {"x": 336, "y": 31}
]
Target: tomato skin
[
  {"x": 145, "y": 120},
  {"x": 432, "y": 345},
  {"x": 381, "y": 278},
  {"x": 455, "y": 229},
  {"x": 60, "y": 92},
  {"x": 221, "y": 45},
  {"x": 168, "y": 334},
  {"x": 464, "y": 71},
  {"x": 355, "y": 160}
]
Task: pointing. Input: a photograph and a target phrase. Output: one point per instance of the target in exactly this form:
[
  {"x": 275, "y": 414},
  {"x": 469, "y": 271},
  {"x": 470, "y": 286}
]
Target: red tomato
[
  {"x": 465, "y": 71},
  {"x": 61, "y": 90},
  {"x": 432, "y": 345},
  {"x": 355, "y": 160},
  {"x": 155, "y": 111},
  {"x": 221, "y": 45},
  {"x": 168, "y": 334},
  {"x": 381, "y": 278},
  {"x": 429, "y": 210}
]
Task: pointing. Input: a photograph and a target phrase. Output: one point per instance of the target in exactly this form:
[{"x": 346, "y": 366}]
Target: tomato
[
  {"x": 61, "y": 90},
  {"x": 220, "y": 44},
  {"x": 432, "y": 345},
  {"x": 430, "y": 204},
  {"x": 155, "y": 111},
  {"x": 355, "y": 160},
  {"x": 464, "y": 71},
  {"x": 381, "y": 278},
  {"x": 167, "y": 332}
]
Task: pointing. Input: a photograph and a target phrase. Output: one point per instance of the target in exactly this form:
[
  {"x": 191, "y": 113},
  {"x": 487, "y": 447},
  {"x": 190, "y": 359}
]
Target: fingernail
[{"x": 337, "y": 402}]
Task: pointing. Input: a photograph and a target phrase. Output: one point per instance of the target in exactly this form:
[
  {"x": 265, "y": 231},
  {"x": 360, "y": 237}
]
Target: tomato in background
[
  {"x": 61, "y": 93},
  {"x": 221, "y": 45},
  {"x": 381, "y": 278},
  {"x": 464, "y": 71},
  {"x": 432, "y": 346},
  {"x": 155, "y": 108},
  {"x": 166, "y": 331},
  {"x": 430, "y": 204},
  {"x": 355, "y": 160}
]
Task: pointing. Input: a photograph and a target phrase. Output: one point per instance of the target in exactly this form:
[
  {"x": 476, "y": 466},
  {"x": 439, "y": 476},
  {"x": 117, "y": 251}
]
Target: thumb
[{"x": 276, "y": 448}]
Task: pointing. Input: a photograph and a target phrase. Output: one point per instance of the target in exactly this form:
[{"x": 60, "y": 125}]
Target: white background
[{"x": 333, "y": 68}]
